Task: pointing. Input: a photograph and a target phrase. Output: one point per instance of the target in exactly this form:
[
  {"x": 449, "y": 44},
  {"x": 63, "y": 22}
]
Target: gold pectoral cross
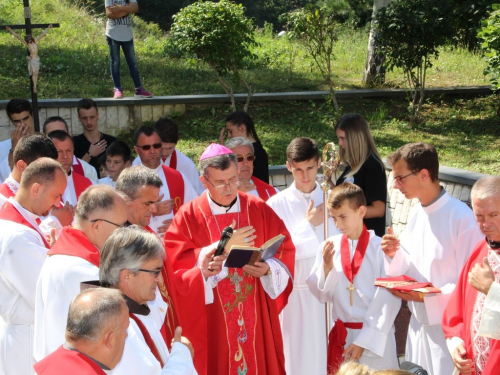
[{"x": 351, "y": 288}]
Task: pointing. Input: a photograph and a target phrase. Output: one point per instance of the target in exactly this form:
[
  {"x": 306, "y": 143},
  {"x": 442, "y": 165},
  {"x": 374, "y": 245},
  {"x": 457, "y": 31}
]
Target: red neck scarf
[
  {"x": 74, "y": 243},
  {"x": 9, "y": 212},
  {"x": 173, "y": 160},
  {"x": 351, "y": 269},
  {"x": 78, "y": 168}
]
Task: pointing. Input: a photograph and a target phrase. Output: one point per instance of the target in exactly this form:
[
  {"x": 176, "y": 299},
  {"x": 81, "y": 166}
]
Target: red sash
[
  {"x": 264, "y": 190},
  {"x": 175, "y": 184},
  {"x": 9, "y": 212},
  {"x": 74, "y": 243},
  {"x": 147, "y": 338},
  {"x": 351, "y": 269},
  {"x": 64, "y": 361},
  {"x": 5, "y": 191},
  {"x": 336, "y": 343},
  {"x": 81, "y": 184},
  {"x": 173, "y": 160},
  {"x": 78, "y": 168}
]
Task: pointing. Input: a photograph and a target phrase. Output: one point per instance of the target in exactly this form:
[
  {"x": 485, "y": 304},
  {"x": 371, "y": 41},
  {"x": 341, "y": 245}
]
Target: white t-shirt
[{"x": 119, "y": 29}]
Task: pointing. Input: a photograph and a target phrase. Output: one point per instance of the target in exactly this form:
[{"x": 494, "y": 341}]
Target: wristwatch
[{"x": 88, "y": 152}]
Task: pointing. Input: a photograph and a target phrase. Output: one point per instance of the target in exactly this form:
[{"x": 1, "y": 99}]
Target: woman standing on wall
[{"x": 363, "y": 167}]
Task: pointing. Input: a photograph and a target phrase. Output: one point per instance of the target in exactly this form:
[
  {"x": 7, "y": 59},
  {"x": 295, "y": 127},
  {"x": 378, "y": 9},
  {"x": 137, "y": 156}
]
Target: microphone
[
  {"x": 226, "y": 235},
  {"x": 413, "y": 368}
]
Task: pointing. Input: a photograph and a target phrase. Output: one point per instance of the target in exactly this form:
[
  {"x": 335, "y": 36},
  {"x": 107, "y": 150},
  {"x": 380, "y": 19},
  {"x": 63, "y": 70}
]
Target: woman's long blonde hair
[{"x": 359, "y": 142}]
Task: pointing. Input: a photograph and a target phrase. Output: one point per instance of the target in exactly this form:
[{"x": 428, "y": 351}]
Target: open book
[
  {"x": 405, "y": 284},
  {"x": 242, "y": 255}
]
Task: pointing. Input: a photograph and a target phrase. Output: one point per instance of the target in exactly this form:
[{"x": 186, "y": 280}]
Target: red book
[{"x": 405, "y": 284}]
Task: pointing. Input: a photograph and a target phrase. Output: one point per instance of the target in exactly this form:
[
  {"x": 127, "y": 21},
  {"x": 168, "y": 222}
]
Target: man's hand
[
  {"x": 164, "y": 207},
  {"x": 408, "y": 296},
  {"x": 98, "y": 148},
  {"x": 222, "y": 135},
  {"x": 481, "y": 276},
  {"x": 353, "y": 352},
  {"x": 183, "y": 340},
  {"x": 315, "y": 215},
  {"x": 390, "y": 244},
  {"x": 18, "y": 133},
  {"x": 259, "y": 269},
  {"x": 163, "y": 228},
  {"x": 51, "y": 237},
  {"x": 65, "y": 214},
  {"x": 211, "y": 267},
  {"x": 239, "y": 237},
  {"x": 328, "y": 254},
  {"x": 462, "y": 363}
]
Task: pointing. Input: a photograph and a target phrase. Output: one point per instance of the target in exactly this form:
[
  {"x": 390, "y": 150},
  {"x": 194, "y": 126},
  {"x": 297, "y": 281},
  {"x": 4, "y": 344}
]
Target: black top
[
  {"x": 82, "y": 146},
  {"x": 372, "y": 179},
  {"x": 261, "y": 162}
]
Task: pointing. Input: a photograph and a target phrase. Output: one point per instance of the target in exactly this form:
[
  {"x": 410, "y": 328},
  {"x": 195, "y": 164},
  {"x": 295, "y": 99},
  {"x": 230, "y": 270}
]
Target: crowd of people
[{"x": 115, "y": 265}]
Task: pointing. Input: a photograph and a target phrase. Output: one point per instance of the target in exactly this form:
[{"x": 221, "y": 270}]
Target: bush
[{"x": 490, "y": 36}]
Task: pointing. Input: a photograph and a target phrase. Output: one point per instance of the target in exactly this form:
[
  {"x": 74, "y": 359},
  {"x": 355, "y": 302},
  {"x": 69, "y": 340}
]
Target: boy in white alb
[
  {"x": 118, "y": 157},
  {"x": 345, "y": 270}
]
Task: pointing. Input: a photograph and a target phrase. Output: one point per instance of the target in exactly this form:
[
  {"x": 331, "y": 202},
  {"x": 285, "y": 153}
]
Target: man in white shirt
[
  {"x": 439, "y": 237},
  {"x": 176, "y": 189},
  {"x": 173, "y": 158},
  {"x": 20, "y": 115},
  {"x": 23, "y": 249},
  {"x": 301, "y": 208},
  {"x": 74, "y": 259},
  {"x": 79, "y": 166}
]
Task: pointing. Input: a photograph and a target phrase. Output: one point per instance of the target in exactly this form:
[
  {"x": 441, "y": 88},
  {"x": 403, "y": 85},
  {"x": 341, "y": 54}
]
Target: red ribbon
[{"x": 351, "y": 269}]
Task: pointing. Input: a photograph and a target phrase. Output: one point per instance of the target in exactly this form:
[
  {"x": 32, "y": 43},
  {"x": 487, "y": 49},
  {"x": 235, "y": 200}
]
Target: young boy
[
  {"x": 118, "y": 157},
  {"x": 345, "y": 270}
]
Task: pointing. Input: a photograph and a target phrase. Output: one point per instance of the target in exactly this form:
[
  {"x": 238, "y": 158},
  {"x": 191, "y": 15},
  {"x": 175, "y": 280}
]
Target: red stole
[
  {"x": 459, "y": 312},
  {"x": 5, "y": 191},
  {"x": 173, "y": 160},
  {"x": 74, "y": 243},
  {"x": 147, "y": 338},
  {"x": 78, "y": 168},
  {"x": 264, "y": 190},
  {"x": 351, "y": 269},
  {"x": 64, "y": 361},
  {"x": 81, "y": 183},
  {"x": 175, "y": 184},
  {"x": 9, "y": 212}
]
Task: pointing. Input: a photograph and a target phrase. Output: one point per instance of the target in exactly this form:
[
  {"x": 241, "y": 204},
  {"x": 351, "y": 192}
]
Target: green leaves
[{"x": 490, "y": 36}]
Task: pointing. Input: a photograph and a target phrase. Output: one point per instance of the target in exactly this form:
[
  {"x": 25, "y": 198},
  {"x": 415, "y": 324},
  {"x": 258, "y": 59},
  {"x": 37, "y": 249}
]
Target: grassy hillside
[{"x": 75, "y": 60}]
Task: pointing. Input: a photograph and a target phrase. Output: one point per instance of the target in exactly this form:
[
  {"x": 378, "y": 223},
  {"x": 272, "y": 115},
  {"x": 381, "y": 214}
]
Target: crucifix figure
[
  {"x": 33, "y": 60},
  {"x": 236, "y": 279},
  {"x": 351, "y": 289}
]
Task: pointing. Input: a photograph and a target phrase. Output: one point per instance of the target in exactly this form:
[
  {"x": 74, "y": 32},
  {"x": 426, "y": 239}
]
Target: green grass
[{"x": 75, "y": 60}]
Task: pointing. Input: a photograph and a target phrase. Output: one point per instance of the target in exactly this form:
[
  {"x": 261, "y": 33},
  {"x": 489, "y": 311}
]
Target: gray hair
[
  {"x": 239, "y": 141},
  {"x": 132, "y": 179},
  {"x": 97, "y": 198},
  {"x": 486, "y": 187},
  {"x": 91, "y": 311},
  {"x": 221, "y": 162},
  {"x": 127, "y": 249},
  {"x": 42, "y": 171}
]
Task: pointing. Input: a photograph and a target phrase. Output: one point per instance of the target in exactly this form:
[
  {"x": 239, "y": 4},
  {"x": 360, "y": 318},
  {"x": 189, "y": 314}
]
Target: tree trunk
[{"x": 374, "y": 66}]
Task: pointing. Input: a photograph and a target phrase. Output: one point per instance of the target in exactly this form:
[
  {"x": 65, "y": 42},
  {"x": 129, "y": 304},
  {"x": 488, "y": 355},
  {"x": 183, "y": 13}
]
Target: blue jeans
[{"x": 128, "y": 51}]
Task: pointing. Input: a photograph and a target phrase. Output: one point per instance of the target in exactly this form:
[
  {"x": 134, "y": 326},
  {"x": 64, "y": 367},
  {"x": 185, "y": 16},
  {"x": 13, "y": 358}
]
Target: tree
[
  {"x": 490, "y": 36},
  {"x": 220, "y": 35},
  {"x": 317, "y": 28},
  {"x": 409, "y": 33},
  {"x": 374, "y": 66}
]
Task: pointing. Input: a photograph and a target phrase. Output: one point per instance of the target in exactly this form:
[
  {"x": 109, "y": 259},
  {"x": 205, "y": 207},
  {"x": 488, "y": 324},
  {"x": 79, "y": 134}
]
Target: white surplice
[
  {"x": 375, "y": 307},
  {"x": 22, "y": 253},
  {"x": 137, "y": 357},
  {"x": 107, "y": 181},
  {"x": 189, "y": 194},
  {"x": 58, "y": 283},
  {"x": 303, "y": 318},
  {"x": 435, "y": 244},
  {"x": 490, "y": 318},
  {"x": 184, "y": 165}
]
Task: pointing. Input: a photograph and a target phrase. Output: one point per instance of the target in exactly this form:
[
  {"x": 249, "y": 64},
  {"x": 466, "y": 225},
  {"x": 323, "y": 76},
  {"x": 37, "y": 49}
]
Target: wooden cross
[
  {"x": 236, "y": 279},
  {"x": 28, "y": 27},
  {"x": 351, "y": 288}
]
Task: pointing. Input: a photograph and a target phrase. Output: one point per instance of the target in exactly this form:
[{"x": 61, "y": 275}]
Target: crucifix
[
  {"x": 351, "y": 289},
  {"x": 33, "y": 62},
  {"x": 236, "y": 279}
]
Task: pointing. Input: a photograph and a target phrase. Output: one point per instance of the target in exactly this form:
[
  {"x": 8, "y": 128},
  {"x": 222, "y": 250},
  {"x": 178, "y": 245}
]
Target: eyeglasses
[
  {"x": 398, "y": 180},
  {"x": 156, "y": 146},
  {"x": 235, "y": 183},
  {"x": 107, "y": 221},
  {"x": 249, "y": 158},
  {"x": 156, "y": 273}
]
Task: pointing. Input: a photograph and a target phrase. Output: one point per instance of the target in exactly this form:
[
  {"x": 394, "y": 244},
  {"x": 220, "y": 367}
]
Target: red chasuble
[
  {"x": 64, "y": 361},
  {"x": 5, "y": 191},
  {"x": 9, "y": 212},
  {"x": 73, "y": 242},
  {"x": 240, "y": 332},
  {"x": 81, "y": 184},
  {"x": 458, "y": 314},
  {"x": 175, "y": 184},
  {"x": 264, "y": 190}
]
